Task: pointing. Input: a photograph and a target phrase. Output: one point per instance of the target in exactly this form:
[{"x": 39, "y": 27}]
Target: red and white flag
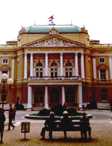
[{"x": 51, "y": 18}]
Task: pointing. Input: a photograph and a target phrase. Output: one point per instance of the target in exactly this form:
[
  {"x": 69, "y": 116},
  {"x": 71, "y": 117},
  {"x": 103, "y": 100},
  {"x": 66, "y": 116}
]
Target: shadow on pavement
[{"x": 70, "y": 140}]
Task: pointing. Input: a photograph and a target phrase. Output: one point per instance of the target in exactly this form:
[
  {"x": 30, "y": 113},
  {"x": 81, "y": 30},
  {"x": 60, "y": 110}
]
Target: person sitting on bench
[
  {"x": 85, "y": 127},
  {"x": 66, "y": 123},
  {"x": 49, "y": 124}
]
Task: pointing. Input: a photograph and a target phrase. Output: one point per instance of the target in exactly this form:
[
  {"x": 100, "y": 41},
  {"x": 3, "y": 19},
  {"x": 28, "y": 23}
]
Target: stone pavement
[{"x": 101, "y": 133}]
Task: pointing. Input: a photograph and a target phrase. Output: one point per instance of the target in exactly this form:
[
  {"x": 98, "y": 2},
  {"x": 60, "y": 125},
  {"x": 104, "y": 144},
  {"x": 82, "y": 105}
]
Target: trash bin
[{"x": 25, "y": 128}]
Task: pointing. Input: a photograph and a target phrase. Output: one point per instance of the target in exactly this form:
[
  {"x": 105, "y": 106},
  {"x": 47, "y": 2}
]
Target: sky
[{"x": 95, "y": 15}]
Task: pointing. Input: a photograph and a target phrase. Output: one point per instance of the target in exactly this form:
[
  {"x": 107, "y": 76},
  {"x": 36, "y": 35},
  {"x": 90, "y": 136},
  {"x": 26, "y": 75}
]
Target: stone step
[
  {"x": 37, "y": 108},
  {"x": 103, "y": 106}
]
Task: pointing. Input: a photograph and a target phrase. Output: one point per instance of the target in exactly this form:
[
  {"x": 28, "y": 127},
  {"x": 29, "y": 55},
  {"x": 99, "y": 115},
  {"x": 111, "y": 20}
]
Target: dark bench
[{"x": 76, "y": 126}]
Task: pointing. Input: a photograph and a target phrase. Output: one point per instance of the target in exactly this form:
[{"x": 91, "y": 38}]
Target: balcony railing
[
  {"x": 102, "y": 80},
  {"x": 55, "y": 78}
]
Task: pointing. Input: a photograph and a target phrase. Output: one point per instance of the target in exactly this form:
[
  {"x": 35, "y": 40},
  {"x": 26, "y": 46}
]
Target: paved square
[{"x": 101, "y": 124}]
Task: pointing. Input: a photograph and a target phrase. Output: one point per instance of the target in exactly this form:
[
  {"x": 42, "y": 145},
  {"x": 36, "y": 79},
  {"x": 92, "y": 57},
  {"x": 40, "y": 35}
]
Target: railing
[
  {"x": 55, "y": 78},
  {"x": 102, "y": 80}
]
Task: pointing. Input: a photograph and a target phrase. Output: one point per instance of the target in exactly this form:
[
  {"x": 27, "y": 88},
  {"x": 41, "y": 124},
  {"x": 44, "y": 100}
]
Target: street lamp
[{"x": 4, "y": 81}]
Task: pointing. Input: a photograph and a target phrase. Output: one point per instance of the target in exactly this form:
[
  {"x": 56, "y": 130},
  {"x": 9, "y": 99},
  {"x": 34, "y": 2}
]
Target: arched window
[
  {"x": 68, "y": 69},
  {"x": 39, "y": 69},
  {"x": 54, "y": 69}
]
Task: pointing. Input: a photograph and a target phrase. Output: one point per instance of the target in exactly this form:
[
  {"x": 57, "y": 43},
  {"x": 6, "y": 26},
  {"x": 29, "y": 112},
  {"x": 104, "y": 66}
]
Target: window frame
[
  {"x": 102, "y": 74},
  {"x": 100, "y": 60},
  {"x": 5, "y": 60},
  {"x": 39, "y": 70}
]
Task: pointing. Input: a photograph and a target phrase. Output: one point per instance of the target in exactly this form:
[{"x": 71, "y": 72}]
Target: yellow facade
[{"x": 58, "y": 59}]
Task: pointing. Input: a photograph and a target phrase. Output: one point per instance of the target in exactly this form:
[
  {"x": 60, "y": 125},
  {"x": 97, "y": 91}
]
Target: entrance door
[
  {"x": 38, "y": 93},
  {"x": 104, "y": 94},
  {"x": 54, "y": 96},
  {"x": 70, "y": 95}
]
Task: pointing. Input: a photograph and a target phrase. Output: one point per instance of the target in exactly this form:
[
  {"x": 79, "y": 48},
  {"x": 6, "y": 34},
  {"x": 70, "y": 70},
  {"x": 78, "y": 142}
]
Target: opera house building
[{"x": 52, "y": 65}]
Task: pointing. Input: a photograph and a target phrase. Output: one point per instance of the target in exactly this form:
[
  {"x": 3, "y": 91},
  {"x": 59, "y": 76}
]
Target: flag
[
  {"x": 51, "y": 22},
  {"x": 51, "y": 18}
]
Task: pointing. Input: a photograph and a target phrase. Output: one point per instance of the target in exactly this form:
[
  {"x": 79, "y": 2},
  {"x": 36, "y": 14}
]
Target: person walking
[
  {"x": 2, "y": 121},
  {"x": 11, "y": 117},
  {"x": 14, "y": 112}
]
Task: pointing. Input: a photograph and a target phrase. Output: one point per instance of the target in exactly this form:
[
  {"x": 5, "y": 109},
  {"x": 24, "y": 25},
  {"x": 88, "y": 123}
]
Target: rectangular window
[
  {"x": 101, "y": 60},
  {"x": 102, "y": 74},
  {"x": 68, "y": 72},
  {"x": 39, "y": 72},
  {"x": 5, "y": 60},
  {"x": 54, "y": 72}
]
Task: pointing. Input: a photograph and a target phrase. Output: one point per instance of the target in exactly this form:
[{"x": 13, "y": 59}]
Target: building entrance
[
  {"x": 54, "y": 96},
  {"x": 104, "y": 95},
  {"x": 38, "y": 96},
  {"x": 71, "y": 95}
]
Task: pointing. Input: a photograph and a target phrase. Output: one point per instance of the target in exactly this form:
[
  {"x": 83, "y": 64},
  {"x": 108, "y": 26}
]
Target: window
[
  {"x": 6, "y": 72},
  {"x": 68, "y": 69},
  {"x": 39, "y": 70},
  {"x": 4, "y": 60},
  {"x": 102, "y": 74},
  {"x": 101, "y": 60},
  {"x": 54, "y": 69}
]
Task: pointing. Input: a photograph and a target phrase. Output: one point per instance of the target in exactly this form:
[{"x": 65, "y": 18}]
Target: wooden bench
[{"x": 76, "y": 126}]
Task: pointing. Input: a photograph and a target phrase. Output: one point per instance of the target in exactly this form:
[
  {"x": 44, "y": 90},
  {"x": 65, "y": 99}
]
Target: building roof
[{"x": 46, "y": 28}]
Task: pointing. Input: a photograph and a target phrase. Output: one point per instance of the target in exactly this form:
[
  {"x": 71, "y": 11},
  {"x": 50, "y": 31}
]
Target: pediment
[{"x": 54, "y": 41}]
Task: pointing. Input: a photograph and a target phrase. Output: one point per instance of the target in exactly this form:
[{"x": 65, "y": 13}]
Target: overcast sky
[{"x": 95, "y": 15}]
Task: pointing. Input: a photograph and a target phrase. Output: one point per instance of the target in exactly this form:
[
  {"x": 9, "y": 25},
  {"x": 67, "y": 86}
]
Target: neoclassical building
[{"x": 51, "y": 65}]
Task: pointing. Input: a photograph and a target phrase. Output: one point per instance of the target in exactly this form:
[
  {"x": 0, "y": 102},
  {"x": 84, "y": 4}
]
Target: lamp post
[{"x": 4, "y": 81}]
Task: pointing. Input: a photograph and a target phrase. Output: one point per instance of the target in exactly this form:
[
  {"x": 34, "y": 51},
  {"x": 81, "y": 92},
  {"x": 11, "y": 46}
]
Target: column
[
  {"x": 0, "y": 76},
  {"x": 46, "y": 64},
  {"x": 31, "y": 64},
  {"x": 82, "y": 66},
  {"x": 110, "y": 66},
  {"x": 94, "y": 68},
  {"x": 12, "y": 70},
  {"x": 76, "y": 65},
  {"x": 46, "y": 98},
  {"x": 63, "y": 95},
  {"x": 61, "y": 64},
  {"x": 29, "y": 102},
  {"x": 25, "y": 66},
  {"x": 80, "y": 96}
]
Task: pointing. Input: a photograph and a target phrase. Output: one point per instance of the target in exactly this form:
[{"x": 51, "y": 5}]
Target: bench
[{"x": 76, "y": 126}]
